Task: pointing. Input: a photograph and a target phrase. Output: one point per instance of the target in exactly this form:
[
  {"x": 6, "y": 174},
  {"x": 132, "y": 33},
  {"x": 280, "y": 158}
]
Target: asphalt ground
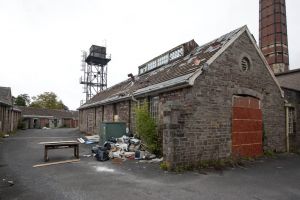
[{"x": 264, "y": 179}]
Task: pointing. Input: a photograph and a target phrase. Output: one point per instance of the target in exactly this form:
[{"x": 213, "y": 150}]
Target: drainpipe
[{"x": 287, "y": 105}]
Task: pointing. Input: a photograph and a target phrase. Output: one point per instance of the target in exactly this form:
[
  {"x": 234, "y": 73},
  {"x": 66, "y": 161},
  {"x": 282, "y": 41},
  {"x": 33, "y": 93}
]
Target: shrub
[{"x": 146, "y": 127}]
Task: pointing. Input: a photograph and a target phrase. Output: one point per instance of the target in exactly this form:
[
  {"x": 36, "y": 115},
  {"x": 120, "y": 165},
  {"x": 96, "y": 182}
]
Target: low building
[
  {"x": 40, "y": 117},
  {"x": 213, "y": 101},
  {"x": 9, "y": 115},
  {"x": 290, "y": 83}
]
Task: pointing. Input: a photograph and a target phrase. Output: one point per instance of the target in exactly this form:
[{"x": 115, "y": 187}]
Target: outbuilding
[
  {"x": 209, "y": 102},
  {"x": 9, "y": 115},
  {"x": 51, "y": 118},
  {"x": 290, "y": 84}
]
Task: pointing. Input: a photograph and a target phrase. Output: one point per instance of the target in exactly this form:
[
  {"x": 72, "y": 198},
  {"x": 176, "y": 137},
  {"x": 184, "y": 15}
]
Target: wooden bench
[{"x": 60, "y": 145}]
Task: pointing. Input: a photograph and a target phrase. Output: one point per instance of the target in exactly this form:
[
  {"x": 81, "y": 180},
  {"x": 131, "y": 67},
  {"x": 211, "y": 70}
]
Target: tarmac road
[{"x": 266, "y": 179}]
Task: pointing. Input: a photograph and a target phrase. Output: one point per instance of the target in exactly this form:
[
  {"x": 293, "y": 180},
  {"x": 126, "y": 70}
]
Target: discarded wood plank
[
  {"x": 56, "y": 163},
  {"x": 58, "y": 142}
]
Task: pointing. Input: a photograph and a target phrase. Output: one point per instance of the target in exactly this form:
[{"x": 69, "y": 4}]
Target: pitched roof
[
  {"x": 289, "y": 79},
  {"x": 180, "y": 73},
  {"x": 5, "y": 96},
  {"x": 42, "y": 112}
]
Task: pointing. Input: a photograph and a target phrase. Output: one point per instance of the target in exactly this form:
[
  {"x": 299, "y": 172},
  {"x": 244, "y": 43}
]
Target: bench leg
[
  {"x": 77, "y": 151},
  {"x": 46, "y": 155}
]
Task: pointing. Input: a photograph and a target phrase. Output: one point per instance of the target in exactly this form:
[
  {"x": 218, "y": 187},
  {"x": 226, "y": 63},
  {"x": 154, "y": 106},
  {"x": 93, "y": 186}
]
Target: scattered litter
[
  {"x": 102, "y": 154},
  {"x": 87, "y": 155},
  {"x": 104, "y": 169},
  {"x": 46, "y": 128},
  {"x": 89, "y": 142},
  {"x": 155, "y": 160},
  {"x": 93, "y": 138},
  {"x": 80, "y": 140},
  {"x": 10, "y": 183},
  {"x": 6, "y": 135}
]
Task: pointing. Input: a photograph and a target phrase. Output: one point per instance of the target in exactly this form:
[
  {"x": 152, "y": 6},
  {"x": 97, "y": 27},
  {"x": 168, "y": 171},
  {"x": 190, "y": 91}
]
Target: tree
[
  {"x": 48, "y": 100},
  {"x": 22, "y": 100}
]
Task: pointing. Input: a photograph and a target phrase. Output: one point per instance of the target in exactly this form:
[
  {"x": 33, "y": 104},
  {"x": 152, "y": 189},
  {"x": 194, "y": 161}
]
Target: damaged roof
[
  {"x": 169, "y": 76},
  {"x": 5, "y": 96},
  {"x": 47, "y": 113}
]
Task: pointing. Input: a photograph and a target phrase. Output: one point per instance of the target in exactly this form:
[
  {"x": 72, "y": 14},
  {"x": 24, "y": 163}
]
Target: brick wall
[
  {"x": 273, "y": 34},
  {"x": 197, "y": 120}
]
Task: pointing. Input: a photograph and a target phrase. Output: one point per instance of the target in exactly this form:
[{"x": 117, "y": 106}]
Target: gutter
[
  {"x": 173, "y": 84},
  {"x": 37, "y": 116}
]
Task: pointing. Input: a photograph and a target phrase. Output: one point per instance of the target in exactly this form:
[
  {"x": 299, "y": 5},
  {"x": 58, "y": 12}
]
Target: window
[
  {"x": 245, "y": 64},
  {"x": 143, "y": 69},
  {"x": 154, "y": 104},
  {"x": 151, "y": 65},
  {"x": 292, "y": 121},
  {"x": 162, "y": 60},
  {"x": 176, "y": 54}
]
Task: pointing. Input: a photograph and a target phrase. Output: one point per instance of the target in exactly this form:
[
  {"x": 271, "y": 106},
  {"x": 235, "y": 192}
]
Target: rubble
[{"x": 121, "y": 149}]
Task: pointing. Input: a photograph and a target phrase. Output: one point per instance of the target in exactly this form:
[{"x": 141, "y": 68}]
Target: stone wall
[
  {"x": 199, "y": 126},
  {"x": 90, "y": 119}
]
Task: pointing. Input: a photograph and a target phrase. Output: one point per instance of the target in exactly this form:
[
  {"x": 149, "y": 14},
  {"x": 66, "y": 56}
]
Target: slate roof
[
  {"x": 289, "y": 79},
  {"x": 5, "y": 96},
  {"x": 171, "y": 75},
  {"x": 41, "y": 112}
]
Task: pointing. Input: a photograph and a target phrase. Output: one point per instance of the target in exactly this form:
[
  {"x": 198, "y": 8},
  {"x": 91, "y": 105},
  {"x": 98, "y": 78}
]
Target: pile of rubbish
[{"x": 122, "y": 148}]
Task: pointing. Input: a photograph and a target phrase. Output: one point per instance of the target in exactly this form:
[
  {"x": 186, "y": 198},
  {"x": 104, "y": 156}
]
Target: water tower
[{"x": 94, "y": 67}]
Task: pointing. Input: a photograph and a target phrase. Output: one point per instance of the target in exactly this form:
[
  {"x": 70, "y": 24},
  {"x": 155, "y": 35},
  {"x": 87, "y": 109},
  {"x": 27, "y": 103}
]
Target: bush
[{"x": 146, "y": 127}]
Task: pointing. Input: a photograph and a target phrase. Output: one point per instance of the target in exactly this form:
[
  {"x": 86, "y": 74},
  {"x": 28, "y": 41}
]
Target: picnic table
[{"x": 60, "y": 145}]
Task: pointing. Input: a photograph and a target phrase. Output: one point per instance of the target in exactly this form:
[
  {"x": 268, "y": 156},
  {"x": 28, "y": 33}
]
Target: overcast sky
[{"x": 41, "y": 40}]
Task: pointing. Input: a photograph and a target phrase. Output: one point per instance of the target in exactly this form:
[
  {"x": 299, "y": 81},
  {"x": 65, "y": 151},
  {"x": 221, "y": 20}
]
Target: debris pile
[{"x": 122, "y": 148}]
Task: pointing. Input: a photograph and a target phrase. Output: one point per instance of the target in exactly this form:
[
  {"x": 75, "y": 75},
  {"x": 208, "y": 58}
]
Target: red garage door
[{"x": 246, "y": 127}]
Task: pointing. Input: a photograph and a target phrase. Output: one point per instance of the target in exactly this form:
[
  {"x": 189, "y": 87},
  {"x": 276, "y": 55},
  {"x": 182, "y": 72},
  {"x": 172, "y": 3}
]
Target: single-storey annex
[
  {"x": 41, "y": 117},
  {"x": 290, "y": 83},
  {"x": 9, "y": 115},
  {"x": 213, "y": 101}
]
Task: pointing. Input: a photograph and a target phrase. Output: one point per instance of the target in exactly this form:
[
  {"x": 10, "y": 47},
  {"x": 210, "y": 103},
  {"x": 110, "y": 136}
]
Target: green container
[{"x": 111, "y": 129}]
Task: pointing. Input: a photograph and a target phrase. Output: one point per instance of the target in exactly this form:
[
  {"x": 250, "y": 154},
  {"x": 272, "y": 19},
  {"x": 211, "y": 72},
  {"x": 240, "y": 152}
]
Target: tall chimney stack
[{"x": 273, "y": 34}]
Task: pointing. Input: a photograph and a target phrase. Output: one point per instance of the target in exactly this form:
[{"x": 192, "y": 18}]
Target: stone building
[
  {"x": 290, "y": 83},
  {"x": 40, "y": 117},
  {"x": 212, "y": 101},
  {"x": 9, "y": 115}
]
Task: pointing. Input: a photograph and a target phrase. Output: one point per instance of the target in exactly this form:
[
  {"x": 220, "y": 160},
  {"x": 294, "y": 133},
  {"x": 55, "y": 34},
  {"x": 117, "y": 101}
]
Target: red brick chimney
[{"x": 273, "y": 34}]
